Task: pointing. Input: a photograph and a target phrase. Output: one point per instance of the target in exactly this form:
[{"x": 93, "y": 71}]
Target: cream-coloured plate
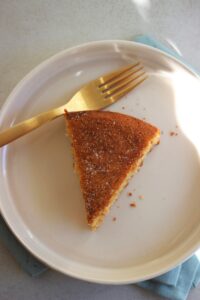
[{"x": 40, "y": 195}]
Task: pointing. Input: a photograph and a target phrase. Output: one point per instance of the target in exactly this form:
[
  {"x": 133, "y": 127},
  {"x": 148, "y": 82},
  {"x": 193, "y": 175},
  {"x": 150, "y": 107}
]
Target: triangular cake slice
[{"x": 108, "y": 149}]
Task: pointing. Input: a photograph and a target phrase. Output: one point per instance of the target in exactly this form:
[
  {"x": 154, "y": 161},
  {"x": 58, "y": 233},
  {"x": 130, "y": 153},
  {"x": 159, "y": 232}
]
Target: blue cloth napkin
[
  {"x": 176, "y": 283},
  {"x": 186, "y": 278},
  {"x": 26, "y": 260}
]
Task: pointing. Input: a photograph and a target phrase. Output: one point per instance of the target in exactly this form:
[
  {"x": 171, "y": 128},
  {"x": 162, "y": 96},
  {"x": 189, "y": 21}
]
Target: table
[{"x": 31, "y": 31}]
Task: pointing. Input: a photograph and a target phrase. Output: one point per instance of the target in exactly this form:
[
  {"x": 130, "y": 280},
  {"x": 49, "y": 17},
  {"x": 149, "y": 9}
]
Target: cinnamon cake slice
[{"x": 108, "y": 148}]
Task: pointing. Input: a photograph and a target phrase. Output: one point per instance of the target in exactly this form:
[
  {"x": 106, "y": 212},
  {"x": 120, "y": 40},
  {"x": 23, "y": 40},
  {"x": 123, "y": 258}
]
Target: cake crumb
[
  {"x": 172, "y": 133},
  {"x": 162, "y": 132},
  {"x": 144, "y": 119},
  {"x": 129, "y": 194},
  {"x": 140, "y": 197},
  {"x": 123, "y": 107},
  {"x": 176, "y": 126},
  {"x": 114, "y": 219},
  {"x": 127, "y": 184},
  {"x": 132, "y": 204}
]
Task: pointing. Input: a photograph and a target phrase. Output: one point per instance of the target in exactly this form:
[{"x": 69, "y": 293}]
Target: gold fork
[{"x": 95, "y": 95}]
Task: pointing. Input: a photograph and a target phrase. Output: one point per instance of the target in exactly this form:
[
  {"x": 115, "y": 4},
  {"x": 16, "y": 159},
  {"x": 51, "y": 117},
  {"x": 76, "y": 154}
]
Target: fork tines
[{"x": 116, "y": 84}]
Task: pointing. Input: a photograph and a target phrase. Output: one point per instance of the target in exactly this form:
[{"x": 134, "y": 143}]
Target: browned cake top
[{"x": 106, "y": 145}]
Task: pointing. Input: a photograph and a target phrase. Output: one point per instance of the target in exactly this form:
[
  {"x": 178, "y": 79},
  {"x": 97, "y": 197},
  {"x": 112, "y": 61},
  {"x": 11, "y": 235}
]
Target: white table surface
[{"x": 33, "y": 30}]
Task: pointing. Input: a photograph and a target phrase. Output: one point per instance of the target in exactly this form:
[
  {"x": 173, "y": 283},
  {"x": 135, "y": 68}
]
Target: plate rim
[
  {"x": 3, "y": 110},
  {"x": 63, "y": 52}
]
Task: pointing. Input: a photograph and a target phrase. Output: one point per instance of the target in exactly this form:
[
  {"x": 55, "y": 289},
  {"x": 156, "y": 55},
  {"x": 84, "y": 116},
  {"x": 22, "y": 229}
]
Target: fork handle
[{"x": 15, "y": 132}]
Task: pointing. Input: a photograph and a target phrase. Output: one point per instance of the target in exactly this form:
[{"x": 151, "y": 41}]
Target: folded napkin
[
  {"x": 175, "y": 284},
  {"x": 26, "y": 260}
]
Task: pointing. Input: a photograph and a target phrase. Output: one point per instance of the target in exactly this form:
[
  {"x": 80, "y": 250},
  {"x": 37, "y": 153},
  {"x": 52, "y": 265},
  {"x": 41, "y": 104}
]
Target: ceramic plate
[{"x": 40, "y": 195}]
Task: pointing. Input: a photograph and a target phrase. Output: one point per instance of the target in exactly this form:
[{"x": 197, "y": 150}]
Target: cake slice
[{"x": 108, "y": 148}]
